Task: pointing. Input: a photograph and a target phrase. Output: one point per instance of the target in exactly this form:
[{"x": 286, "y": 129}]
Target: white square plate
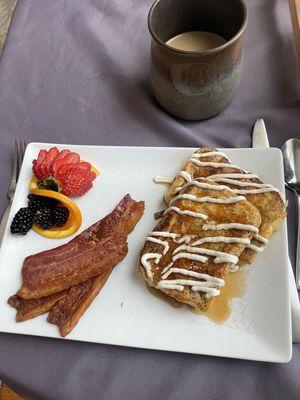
[{"x": 124, "y": 313}]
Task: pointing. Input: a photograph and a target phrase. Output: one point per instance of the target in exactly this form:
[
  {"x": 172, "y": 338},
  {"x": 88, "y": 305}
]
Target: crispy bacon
[
  {"x": 67, "y": 312},
  {"x": 95, "y": 251},
  {"x": 27, "y": 309}
]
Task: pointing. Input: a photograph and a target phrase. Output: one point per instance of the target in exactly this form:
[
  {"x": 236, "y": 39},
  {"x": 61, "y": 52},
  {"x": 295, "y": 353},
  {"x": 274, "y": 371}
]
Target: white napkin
[{"x": 295, "y": 307}]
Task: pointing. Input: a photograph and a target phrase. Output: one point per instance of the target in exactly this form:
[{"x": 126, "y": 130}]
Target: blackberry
[
  {"x": 22, "y": 221},
  {"x": 35, "y": 202},
  {"x": 60, "y": 216},
  {"x": 43, "y": 217}
]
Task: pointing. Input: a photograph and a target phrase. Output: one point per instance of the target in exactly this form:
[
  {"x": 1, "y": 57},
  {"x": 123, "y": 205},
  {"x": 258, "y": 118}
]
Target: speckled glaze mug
[{"x": 196, "y": 85}]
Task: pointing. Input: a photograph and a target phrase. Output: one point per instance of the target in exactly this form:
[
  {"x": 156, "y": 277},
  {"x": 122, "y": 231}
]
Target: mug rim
[{"x": 192, "y": 52}]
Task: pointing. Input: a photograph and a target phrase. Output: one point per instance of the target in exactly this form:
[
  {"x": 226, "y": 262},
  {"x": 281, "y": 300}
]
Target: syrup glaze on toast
[
  {"x": 188, "y": 262},
  {"x": 214, "y": 165}
]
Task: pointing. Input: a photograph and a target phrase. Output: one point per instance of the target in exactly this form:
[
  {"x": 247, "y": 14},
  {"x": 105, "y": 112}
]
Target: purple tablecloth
[{"x": 76, "y": 72}]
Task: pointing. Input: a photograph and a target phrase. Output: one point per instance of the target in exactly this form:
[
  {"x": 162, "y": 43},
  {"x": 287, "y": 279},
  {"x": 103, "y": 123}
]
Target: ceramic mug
[{"x": 196, "y": 85}]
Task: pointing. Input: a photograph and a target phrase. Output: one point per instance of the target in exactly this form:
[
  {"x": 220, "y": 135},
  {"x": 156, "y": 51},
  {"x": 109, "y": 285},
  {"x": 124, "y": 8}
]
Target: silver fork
[{"x": 20, "y": 147}]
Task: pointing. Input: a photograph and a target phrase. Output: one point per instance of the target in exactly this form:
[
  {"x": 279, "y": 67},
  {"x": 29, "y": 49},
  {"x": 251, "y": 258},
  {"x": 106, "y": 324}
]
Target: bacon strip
[
  {"x": 58, "y": 269},
  {"x": 27, "y": 309},
  {"x": 67, "y": 312},
  {"x": 95, "y": 251}
]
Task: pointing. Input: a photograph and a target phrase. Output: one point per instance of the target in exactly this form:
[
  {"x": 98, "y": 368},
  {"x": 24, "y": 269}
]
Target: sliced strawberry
[
  {"x": 37, "y": 163},
  {"x": 60, "y": 155},
  {"x": 45, "y": 166},
  {"x": 92, "y": 175},
  {"x": 64, "y": 169},
  {"x": 75, "y": 177},
  {"x": 84, "y": 166},
  {"x": 53, "y": 153},
  {"x": 68, "y": 171},
  {"x": 77, "y": 182},
  {"x": 69, "y": 159}
]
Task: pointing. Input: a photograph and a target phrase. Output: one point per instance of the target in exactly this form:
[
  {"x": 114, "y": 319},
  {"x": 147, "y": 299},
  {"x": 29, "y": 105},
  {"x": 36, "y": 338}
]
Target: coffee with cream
[{"x": 198, "y": 41}]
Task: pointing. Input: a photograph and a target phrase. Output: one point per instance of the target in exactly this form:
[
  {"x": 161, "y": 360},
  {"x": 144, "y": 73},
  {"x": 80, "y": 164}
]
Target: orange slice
[{"x": 74, "y": 220}]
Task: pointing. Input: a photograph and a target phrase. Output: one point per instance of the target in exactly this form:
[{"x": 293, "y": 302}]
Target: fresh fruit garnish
[
  {"x": 73, "y": 176},
  {"x": 74, "y": 219},
  {"x": 36, "y": 164},
  {"x": 76, "y": 181},
  {"x": 56, "y": 163},
  {"x": 36, "y": 202},
  {"x": 49, "y": 184},
  {"x": 22, "y": 221},
  {"x": 43, "y": 217},
  {"x": 57, "y": 174},
  {"x": 60, "y": 216},
  {"x": 46, "y": 164},
  {"x": 94, "y": 170}
]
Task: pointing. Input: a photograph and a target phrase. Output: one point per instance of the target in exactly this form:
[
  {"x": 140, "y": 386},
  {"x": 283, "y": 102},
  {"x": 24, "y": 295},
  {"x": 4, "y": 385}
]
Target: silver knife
[
  {"x": 260, "y": 140},
  {"x": 260, "y": 136}
]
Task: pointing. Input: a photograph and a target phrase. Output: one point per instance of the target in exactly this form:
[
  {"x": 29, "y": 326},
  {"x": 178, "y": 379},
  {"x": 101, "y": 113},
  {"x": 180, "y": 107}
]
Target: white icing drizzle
[
  {"x": 164, "y": 234},
  {"x": 211, "y": 292},
  {"x": 185, "y": 238},
  {"x": 190, "y": 282},
  {"x": 232, "y": 175},
  {"x": 220, "y": 257},
  {"x": 189, "y": 256},
  {"x": 163, "y": 179},
  {"x": 194, "y": 274},
  {"x": 158, "y": 241},
  {"x": 186, "y": 212},
  {"x": 242, "y": 183},
  {"x": 170, "y": 286},
  {"x": 203, "y": 185},
  {"x": 167, "y": 267},
  {"x": 174, "y": 236},
  {"x": 261, "y": 239},
  {"x": 256, "y": 248},
  {"x": 210, "y": 154},
  {"x": 212, "y": 164},
  {"x": 192, "y": 197},
  {"x": 208, "y": 287},
  {"x": 231, "y": 225},
  {"x": 185, "y": 175},
  {"x": 234, "y": 268},
  {"x": 256, "y": 191},
  {"x": 221, "y": 239},
  {"x": 146, "y": 265}
]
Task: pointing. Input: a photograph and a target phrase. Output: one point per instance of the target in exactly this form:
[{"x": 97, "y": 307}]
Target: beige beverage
[{"x": 198, "y": 41}]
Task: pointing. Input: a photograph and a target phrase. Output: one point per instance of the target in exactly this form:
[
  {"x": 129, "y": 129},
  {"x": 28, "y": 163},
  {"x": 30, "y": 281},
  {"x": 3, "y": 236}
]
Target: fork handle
[
  {"x": 4, "y": 221},
  {"x": 298, "y": 247}
]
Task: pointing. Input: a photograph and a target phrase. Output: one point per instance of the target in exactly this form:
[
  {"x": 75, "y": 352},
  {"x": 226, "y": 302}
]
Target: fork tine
[
  {"x": 19, "y": 156},
  {"x": 13, "y": 181},
  {"x": 15, "y": 163},
  {"x": 24, "y": 145}
]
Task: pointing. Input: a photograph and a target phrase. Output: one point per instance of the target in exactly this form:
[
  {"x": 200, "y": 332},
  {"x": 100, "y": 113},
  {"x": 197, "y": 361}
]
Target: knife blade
[
  {"x": 260, "y": 136},
  {"x": 260, "y": 140}
]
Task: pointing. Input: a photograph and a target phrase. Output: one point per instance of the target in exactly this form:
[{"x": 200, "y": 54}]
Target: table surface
[{"x": 77, "y": 72}]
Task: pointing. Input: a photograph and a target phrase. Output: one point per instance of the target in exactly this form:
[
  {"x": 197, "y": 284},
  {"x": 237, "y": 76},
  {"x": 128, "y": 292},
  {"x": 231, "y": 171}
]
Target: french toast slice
[
  {"x": 214, "y": 165},
  {"x": 186, "y": 259}
]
